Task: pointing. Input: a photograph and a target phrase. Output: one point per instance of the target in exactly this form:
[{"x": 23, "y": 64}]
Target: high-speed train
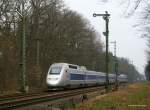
[{"x": 64, "y": 75}]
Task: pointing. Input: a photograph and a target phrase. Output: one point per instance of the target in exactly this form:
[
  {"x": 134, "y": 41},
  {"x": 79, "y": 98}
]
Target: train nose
[{"x": 53, "y": 81}]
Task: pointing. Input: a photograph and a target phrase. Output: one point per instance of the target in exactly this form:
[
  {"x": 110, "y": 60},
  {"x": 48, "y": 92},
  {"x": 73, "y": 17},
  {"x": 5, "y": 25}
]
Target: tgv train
[{"x": 64, "y": 75}]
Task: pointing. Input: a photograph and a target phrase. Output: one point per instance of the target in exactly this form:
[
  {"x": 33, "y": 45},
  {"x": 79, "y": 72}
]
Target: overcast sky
[{"x": 129, "y": 43}]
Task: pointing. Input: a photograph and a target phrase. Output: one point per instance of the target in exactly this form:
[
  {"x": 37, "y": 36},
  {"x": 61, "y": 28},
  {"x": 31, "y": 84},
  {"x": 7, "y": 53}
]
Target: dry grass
[{"x": 133, "y": 97}]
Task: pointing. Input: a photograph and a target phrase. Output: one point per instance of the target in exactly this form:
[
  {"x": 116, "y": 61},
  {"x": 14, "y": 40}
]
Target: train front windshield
[{"x": 55, "y": 71}]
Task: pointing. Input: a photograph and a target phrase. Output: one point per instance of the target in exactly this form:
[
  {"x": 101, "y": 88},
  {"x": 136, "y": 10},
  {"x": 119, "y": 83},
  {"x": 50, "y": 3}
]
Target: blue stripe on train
[
  {"x": 87, "y": 77},
  {"x": 77, "y": 76},
  {"x": 95, "y": 77}
]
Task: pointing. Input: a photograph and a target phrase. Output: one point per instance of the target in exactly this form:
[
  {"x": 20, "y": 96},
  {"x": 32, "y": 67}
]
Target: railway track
[
  {"x": 17, "y": 96},
  {"x": 30, "y": 99}
]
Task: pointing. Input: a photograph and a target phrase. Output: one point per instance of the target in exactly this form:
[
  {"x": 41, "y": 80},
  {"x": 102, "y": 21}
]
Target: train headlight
[{"x": 52, "y": 79}]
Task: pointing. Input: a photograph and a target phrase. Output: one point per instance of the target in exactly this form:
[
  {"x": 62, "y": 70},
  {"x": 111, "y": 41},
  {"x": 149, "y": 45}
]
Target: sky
[{"x": 121, "y": 29}]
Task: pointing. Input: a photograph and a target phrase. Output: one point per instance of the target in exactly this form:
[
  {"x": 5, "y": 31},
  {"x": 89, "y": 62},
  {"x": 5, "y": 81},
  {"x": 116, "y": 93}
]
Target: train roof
[
  {"x": 63, "y": 64},
  {"x": 73, "y": 66},
  {"x": 66, "y": 64}
]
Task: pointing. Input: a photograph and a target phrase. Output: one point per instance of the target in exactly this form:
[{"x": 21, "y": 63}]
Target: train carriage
[{"x": 95, "y": 78}]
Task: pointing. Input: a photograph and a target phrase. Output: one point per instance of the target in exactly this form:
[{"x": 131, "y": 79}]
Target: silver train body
[{"x": 66, "y": 75}]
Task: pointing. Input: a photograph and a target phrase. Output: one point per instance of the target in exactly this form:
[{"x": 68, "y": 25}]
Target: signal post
[{"x": 106, "y": 33}]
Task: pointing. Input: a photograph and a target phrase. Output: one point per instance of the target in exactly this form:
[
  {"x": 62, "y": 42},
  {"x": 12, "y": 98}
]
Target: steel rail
[
  {"x": 16, "y": 96},
  {"x": 44, "y": 98}
]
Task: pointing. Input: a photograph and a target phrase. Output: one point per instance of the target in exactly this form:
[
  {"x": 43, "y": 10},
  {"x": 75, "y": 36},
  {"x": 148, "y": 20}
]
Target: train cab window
[
  {"x": 55, "y": 70},
  {"x": 73, "y": 66}
]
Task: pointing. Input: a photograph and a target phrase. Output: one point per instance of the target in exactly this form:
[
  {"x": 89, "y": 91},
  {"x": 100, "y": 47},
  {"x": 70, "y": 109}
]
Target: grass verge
[{"x": 133, "y": 97}]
